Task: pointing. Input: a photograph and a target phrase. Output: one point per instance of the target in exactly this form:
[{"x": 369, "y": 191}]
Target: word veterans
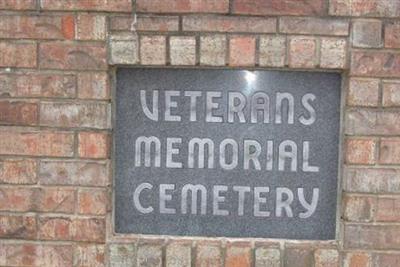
[{"x": 223, "y": 197}]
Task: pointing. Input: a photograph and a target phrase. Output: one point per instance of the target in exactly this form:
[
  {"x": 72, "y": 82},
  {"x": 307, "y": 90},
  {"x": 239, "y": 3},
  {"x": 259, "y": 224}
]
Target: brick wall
[{"x": 57, "y": 61}]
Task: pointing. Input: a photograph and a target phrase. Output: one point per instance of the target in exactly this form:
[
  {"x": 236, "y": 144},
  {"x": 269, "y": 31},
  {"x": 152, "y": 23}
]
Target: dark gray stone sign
[{"x": 230, "y": 153}]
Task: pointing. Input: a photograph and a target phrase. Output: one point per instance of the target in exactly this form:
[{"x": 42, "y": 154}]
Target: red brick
[
  {"x": 85, "y": 114},
  {"x": 18, "y": 226},
  {"x": 208, "y": 255},
  {"x": 56, "y": 144},
  {"x": 153, "y": 50},
  {"x": 378, "y": 64},
  {"x": 89, "y": 229},
  {"x": 54, "y": 228},
  {"x": 93, "y": 85},
  {"x": 93, "y": 201},
  {"x": 392, "y": 35},
  {"x": 302, "y": 52},
  {"x": 37, "y": 27},
  {"x": 299, "y": 257},
  {"x": 391, "y": 93},
  {"x": 358, "y": 259},
  {"x": 388, "y": 209},
  {"x": 360, "y": 151},
  {"x": 54, "y": 172},
  {"x": 145, "y": 23},
  {"x": 242, "y": 51},
  {"x": 17, "y": 54},
  {"x": 389, "y": 151},
  {"x": 18, "y": 112},
  {"x": 18, "y": 171},
  {"x": 372, "y": 122},
  {"x": 387, "y": 260},
  {"x": 60, "y": 200},
  {"x": 73, "y": 56},
  {"x": 17, "y": 4},
  {"x": 98, "y": 5},
  {"x": 375, "y": 8},
  {"x": 93, "y": 145},
  {"x": 91, "y": 27},
  {"x": 282, "y": 7},
  {"x": 314, "y": 26},
  {"x": 377, "y": 237},
  {"x": 326, "y": 258},
  {"x": 238, "y": 256},
  {"x": 87, "y": 255},
  {"x": 219, "y": 23},
  {"x": 17, "y": 199},
  {"x": 363, "y": 92},
  {"x": 358, "y": 208},
  {"x": 183, "y": 6}
]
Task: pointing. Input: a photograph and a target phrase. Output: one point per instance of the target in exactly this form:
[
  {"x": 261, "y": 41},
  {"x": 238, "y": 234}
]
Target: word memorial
[{"x": 230, "y": 153}]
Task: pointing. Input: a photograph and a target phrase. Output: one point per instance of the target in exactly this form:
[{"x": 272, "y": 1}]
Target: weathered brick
[
  {"x": 340, "y": 7},
  {"x": 212, "y": 50},
  {"x": 98, "y": 5},
  {"x": 358, "y": 208},
  {"x": 18, "y": 226},
  {"x": 18, "y": 112},
  {"x": 371, "y": 236},
  {"x": 18, "y": 171},
  {"x": 145, "y": 23},
  {"x": 153, "y": 50},
  {"x": 219, "y": 23},
  {"x": 123, "y": 48},
  {"x": 267, "y": 257},
  {"x": 360, "y": 151},
  {"x": 238, "y": 255},
  {"x": 389, "y": 151},
  {"x": 91, "y": 27},
  {"x": 208, "y": 255},
  {"x": 18, "y": 54},
  {"x": 55, "y": 172},
  {"x": 326, "y": 258},
  {"x": 272, "y": 51},
  {"x": 388, "y": 209},
  {"x": 178, "y": 254},
  {"x": 375, "y": 8},
  {"x": 374, "y": 180},
  {"x": 149, "y": 256},
  {"x": 375, "y": 63},
  {"x": 392, "y": 35},
  {"x": 387, "y": 259},
  {"x": 93, "y": 201},
  {"x": 37, "y": 27},
  {"x": 363, "y": 92},
  {"x": 182, "y": 50},
  {"x": 18, "y": 4},
  {"x": 54, "y": 228},
  {"x": 56, "y": 144},
  {"x": 367, "y": 33},
  {"x": 333, "y": 53},
  {"x": 357, "y": 259},
  {"x": 93, "y": 85},
  {"x": 73, "y": 56},
  {"x": 242, "y": 51},
  {"x": 299, "y": 257},
  {"x": 283, "y": 7},
  {"x": 88, "y": 229},
  {"x": 17, "y": 199},
  {"x": 85, "y": 114},
  {"x": 55, "y": 200},
  {"x": 122, "y": 255},
  {"x": 372, "y": 122},
  {"x": 302, "y": 52},
  {"x": 183, "y": 6},
  {"x": 314, "y": 26},
  {"x": 93, "y": 145},
  {"x": 87, "y": 255},
  {"x": 391, "y": 93}
]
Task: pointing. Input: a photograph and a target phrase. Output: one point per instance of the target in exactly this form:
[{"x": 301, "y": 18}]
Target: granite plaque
[{"x": 231, "y": 153}]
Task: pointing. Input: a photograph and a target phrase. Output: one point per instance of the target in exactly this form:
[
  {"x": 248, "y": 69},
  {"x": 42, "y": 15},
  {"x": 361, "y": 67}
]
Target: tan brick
[
  {"x": 372, "y": 122},
  {"x": 333, "y": 53},
  {"x": 122, "y": 255},
  {"x": 391, "y": 93},
  {"x": 392, "y": 35},
  {"x": 57, "y": 172},
  {"x": 374, "y": 180},
  {"x": 56, "y": 144},
  {"x": 377, "y": 237},
  {"x": 72, "y": 56},
  {"x": 66, "y": 114},
  {"x": 388, "y": 209},
  {"x": 272, "y": 51},
  {"x": 358, "y": 208},
  {"x": 93, "y": 201},
  {"x": 55, "y": 200},
  {"x": 18, "y": 171},
  {"x": 238, "y": 256},
  {"x": 87, "y": 255},
  {"x": 367, "y": 33},
  {"x": 182, "y": 50},
  {"x": 242, "y": 51},
  {"x": 302, "y": 52},
  {"x": 99, "y": 5},
  {"x": 93, "y": 85},
  {"x": 153, "y": 50},
  {"x": 54, "y": 228},
  {"x": 91, "y": 27},
  {"x": 18, "y": 54},
  {"x": 93, "y": 145},
  {"x": 145, "y": 23},
  {"x": 357, "y": 259},
  {"x": 340, "y": 7},
  {"x": 208, "y": 255},
  {"x": 314, "y": 26},
  {"x": 326, "y": 258},
  {"x": 389, "y": 151},
  {"x": 88, "y": 229},
  {"x": 18, "y": 226},
  {"x": 178, "y": 255},
  {"x": 299, "y": 257},
  {"x": 149, "y": 256},
  {"x": 18, "y": 4},
  {"x": 360, "y": 151},
  {"x": 219, "y": 23},
  {"x": 363, "y": 92},
  {"x": 283, "y": 7},
  {"x": 17, "y": 199},
  {"x": 375, "y": 63},
  {"x": 183, "y": 6},
  {"x": 18, "y": 112},
  {"x": 213, "y": 50},
  {"x": 124, "y": 48},
  {"x": 267, "y": 257}
]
